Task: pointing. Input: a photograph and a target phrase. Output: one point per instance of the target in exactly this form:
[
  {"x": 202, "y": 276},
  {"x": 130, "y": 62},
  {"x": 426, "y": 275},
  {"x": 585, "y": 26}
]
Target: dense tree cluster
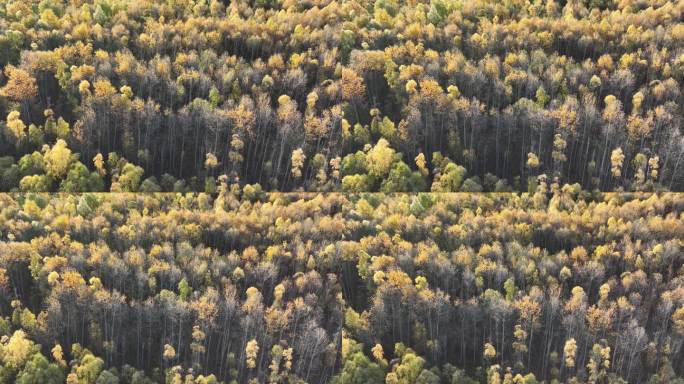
[
  {"x": 357, "y": 95},
  {"x": 557, "y": 286},
  {"x": 223, "y": 102}
]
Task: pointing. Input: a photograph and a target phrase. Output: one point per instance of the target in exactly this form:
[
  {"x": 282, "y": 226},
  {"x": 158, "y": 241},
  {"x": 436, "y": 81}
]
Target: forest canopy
[
  {"x": 341, "y": 191},
  {"x": 343, "y": 288},
  {"x": 328, "y": 95}
]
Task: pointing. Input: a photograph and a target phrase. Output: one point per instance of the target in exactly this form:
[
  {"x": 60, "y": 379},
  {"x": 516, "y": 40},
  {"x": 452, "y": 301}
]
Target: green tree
[
  {"x": 79, "y": 179},
  {"x": 401, "y": 179},
  {"x": 40, "y": 371},
  {"x": 450, "y": 179},
  {"x": 357, "y": 183},
  {"x": 410, "y": 366},
  {"x": 359, "y": 369},
  {"x": 129, "y": 179},
  {"x": 89, "y": 368}
]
